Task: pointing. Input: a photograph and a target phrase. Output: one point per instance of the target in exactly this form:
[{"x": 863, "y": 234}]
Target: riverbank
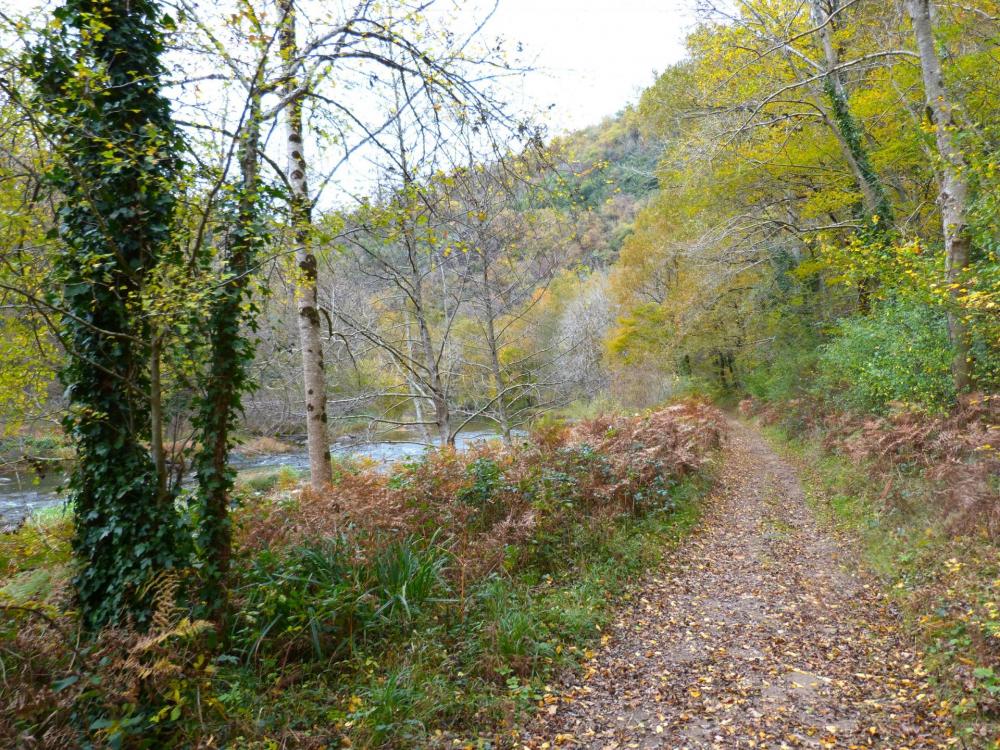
[
  {"x": 418, "y": 607},
  {"x": 259, "y": 459}
]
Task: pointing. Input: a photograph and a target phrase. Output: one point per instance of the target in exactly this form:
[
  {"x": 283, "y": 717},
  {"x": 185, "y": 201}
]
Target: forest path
[{"x": 762, "y": 633}]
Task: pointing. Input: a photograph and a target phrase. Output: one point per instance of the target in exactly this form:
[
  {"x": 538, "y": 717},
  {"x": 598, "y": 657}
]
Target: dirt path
[{"x": 763, "y": 635}]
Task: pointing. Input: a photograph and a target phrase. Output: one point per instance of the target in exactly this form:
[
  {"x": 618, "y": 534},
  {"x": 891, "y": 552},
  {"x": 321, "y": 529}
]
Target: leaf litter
[{"x": 763, "y": 633}]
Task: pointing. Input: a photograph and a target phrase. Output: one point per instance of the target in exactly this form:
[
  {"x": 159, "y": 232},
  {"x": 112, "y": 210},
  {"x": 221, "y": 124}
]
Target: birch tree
[
  {"x": 955, "y": 190},
  {"x": 300, "y": 216}
]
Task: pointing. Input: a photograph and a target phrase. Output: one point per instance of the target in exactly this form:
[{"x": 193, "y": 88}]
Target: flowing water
[{"x": 23, "y": 493}]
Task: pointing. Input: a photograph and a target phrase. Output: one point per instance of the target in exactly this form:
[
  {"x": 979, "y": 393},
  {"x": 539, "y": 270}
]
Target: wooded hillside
[{"x": 243, "y": 243}]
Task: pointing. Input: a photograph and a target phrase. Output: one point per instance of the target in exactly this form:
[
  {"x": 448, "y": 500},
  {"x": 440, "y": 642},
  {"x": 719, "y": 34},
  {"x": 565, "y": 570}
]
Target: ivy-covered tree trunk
[
  {"x": 227, "y": 378},
  {"x": 98, "y": 79},
  {"x": 307, "y": 297},
  {"x": 954, "y": 196},
  {"x": 845, "y": 124},
  {"x": 876, "y": 209}
]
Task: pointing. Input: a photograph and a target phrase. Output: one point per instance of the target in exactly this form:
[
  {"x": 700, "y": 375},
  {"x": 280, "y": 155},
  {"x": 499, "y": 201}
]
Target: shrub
[{"x": 901, "y": 353}]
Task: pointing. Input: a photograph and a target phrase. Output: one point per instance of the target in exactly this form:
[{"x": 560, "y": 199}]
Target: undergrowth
[
  {"x": 390, "y": 653},
  {"x": 427, "y": 606}
]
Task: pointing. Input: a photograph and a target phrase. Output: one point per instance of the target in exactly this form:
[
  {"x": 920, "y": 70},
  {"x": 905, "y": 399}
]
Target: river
[{"x": 23, "y": 493}]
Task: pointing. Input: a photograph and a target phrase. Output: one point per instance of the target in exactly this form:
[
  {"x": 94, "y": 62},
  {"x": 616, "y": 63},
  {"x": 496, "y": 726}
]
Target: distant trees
[
  {"x": 511, "y": 371},
  {"x": 488, "y": 223},
  {"x": 402, "y": 245},
  {"x": 469, "y": 292},
  {"x": 454, "y": 277},
  {"x": 580, "y": 336}
]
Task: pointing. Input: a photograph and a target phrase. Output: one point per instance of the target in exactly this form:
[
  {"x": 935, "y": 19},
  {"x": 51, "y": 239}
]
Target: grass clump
[{"x": 263, "y": 481}]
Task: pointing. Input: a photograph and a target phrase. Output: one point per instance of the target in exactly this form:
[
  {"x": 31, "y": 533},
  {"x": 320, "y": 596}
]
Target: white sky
[
  {"x": 590, "y": 58},
  {"x": 593, "y": 56}
]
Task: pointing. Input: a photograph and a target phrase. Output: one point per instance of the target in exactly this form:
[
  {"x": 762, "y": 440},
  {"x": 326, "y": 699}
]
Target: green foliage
[
  {"x": 41, "y": 543},
  {"x": 24, "y": 379},
  {"x": 785, "y": 376},
  {"x": 262, "y": 482},
  {"x": 231, "y": 320},
  {"x": 309, "y": 599},
  {"x": 29, "y": 352},
  {"x": 880, "y": 214},
  {"x": 901, "y": 353},
  {"x": 389, "y": 707},
  {"x": 409, "y": 577},
  {"x": 602, "y": 162},
  {"x": 485, "y": 479},
  {"x": 97, "y": 73}
]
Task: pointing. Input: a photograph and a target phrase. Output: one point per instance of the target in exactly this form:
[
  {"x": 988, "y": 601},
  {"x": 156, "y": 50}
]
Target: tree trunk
[
  {"x": 845, "y": 125},
  {"x": 416, "y": 392},
  {"x": 156, "y": 419},
  {"x": 442, "y": 414},
  {"x": 231, "y": 353},
  {"x": 418, "y": 408},
  {"x": 495, "y": 368},
  {"x": 954, "y": 196},
  {"x": 307, "y": 296},
  {"x": 439, "y": 399}
]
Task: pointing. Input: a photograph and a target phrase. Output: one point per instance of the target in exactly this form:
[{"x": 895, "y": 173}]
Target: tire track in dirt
[{"x": 763, "y": 633}]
